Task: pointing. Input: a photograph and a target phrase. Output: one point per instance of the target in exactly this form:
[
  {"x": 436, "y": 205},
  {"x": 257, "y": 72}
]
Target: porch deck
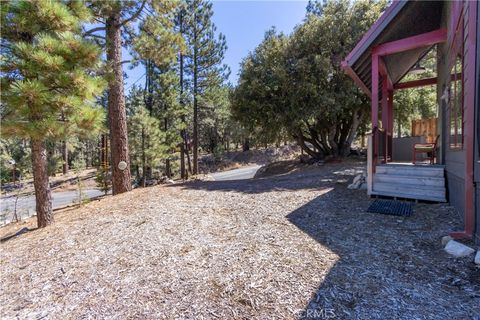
[{"x": 410, "y": 181}]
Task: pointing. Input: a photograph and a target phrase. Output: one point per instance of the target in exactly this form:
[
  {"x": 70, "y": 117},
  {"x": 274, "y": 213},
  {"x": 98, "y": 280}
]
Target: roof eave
[
  {"x": 367, "y": 40},
  {"x": 349, "y": 71},
  {"x": 374, "y": 31}
]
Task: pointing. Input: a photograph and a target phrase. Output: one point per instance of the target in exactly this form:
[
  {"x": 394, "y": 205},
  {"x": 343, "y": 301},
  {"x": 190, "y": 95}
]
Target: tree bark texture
[
  {"x": 195, "y": 100},
  {"x": 195, "y": 118},
  {"x": 183, "y": 173},
  {"x": 43, "y": 195},
  {"x": 121, "y": 180}
]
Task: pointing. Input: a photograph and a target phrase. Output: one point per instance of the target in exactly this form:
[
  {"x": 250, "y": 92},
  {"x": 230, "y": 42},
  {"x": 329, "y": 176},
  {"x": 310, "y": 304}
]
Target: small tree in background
[
  {"x": 203, "y": 60},
  {"x": 47, "y": 82},
  {"x": 146, "y": 141}
]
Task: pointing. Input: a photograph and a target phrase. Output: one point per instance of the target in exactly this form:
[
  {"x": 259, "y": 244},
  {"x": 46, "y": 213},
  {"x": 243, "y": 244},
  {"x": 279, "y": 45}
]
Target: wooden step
[
  {"x": 409, "y": 180},
  {"x": 423, "y": 192},
  {"x": 410, "y": 196},
  {"x": 423, "y": 171}
]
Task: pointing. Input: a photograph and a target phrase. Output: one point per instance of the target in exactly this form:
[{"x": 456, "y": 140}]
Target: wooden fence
[{"x": 425, "y": 127}]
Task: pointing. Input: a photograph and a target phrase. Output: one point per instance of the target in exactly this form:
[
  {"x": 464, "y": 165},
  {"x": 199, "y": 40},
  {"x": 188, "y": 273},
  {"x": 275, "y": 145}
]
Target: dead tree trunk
[
  {"x": 43, "y": 195},
  {"x": 121, "y": 180}
]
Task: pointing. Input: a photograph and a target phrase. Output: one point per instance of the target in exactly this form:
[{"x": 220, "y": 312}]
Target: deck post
[
  {"x": 369, "y": 164},
  {"x": 385, "y": 117},
  {"x": 375, "y": 133},
  {"x": 390, "y": 123}
]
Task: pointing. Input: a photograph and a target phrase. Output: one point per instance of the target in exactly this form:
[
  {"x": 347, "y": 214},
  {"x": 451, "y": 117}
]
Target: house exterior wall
[
  {"x": 477, "y": 134},
  {"x": 456, "y": 161}
]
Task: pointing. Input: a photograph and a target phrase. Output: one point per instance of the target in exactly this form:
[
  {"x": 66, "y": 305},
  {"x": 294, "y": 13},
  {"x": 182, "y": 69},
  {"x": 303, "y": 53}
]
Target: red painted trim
[
  {"x": 390, "y": 122},
  {"x": 456, "y": 13},
  {"x": 349, "y": 71},
  {"x": 375, "y": 82},
  {"x": 469, "y": 123},
  {"x": 372, "y": 29},
  {"x": 405, "y": 44},
  {"x": 375, "y": 76},
  {"x": 384, "y": 103},
  {"x": 421, "y": 82},
  {"x": 415, "y": 83},
  {"x": 366, "y": 37},
  {"x": 390, "y": 111},
  {"x": 385, "y": 116}
]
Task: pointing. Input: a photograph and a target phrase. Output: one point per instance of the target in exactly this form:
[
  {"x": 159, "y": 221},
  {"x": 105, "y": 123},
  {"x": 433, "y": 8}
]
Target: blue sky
[{"x": 244, "y": 24}]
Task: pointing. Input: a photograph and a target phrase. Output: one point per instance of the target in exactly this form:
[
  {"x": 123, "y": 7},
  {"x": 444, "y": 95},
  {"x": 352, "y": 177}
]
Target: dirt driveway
[{"x": 285, "y": 247}]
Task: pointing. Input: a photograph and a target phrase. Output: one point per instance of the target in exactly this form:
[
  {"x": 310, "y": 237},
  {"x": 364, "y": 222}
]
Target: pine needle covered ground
[{"x": 271, "y": 248}]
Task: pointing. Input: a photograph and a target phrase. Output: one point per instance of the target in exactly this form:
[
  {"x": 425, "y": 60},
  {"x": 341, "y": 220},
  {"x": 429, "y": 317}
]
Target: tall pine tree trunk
[
  {"x": 182, "y": 161},
  {"x": 65, "y": 157},
  {"x": 183, "y": 173},
  {"x": 43, "y": 195},
  {"x": 195, "y": 116},
  {"x": 195, "y": 93},
  {"x": 189, "y": 161},
  {"x": 121, "y": 180}
]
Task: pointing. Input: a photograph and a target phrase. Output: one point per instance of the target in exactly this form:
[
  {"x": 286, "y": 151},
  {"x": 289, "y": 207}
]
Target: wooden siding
[
  {"x": 455, "y": 192},
  {"x": 477, "y": 127},
  {"x": 477, "y": 120},
  {"x": 454, "y": 160},
  {"x": 455, "y": 163}
]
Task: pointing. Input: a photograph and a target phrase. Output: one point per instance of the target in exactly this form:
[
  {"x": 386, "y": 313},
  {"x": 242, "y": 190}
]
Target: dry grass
[{"x": 265, "y": 249}]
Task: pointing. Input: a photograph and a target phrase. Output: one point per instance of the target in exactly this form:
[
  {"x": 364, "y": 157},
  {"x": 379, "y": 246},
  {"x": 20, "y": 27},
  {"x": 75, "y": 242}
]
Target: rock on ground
[
  {"x": 457, "y": 249},
  {"x": 445, "y": 240}
]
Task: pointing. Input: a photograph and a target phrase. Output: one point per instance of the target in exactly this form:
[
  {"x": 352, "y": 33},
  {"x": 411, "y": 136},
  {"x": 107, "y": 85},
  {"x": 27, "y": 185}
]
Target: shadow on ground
[{"x": 389, "y": 267}]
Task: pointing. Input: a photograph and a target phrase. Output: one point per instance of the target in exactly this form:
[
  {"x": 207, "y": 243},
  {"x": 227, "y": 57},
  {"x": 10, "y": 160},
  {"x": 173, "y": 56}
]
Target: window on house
[{"x": 456, "y": 94}]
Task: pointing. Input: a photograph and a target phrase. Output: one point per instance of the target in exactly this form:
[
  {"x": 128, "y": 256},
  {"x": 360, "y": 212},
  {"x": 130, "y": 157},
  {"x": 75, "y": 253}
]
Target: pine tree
[
  {"x": 157, "y": 46},
  {"x": 115, "y": 17},
  {"x": 203, "y": 60},
  {"x": 170, "y": 112},
  {"x": 47, "y": 86},
  {"x": 146, "y": 138}
]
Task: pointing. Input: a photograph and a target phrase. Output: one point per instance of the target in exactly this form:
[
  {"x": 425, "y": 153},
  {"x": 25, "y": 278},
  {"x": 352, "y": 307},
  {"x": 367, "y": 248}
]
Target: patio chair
[{"x": 429, "y": 148}]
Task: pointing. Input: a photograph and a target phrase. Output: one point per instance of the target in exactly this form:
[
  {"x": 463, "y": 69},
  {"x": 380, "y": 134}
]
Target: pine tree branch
[
  {"x": 133, "y": 16},
  {"x": 95, "y": 36},
  {"x": 91, "y": 31}
]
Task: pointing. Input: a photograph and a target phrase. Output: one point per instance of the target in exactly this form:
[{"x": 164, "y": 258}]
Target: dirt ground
[{"x": 297, "y": 245}]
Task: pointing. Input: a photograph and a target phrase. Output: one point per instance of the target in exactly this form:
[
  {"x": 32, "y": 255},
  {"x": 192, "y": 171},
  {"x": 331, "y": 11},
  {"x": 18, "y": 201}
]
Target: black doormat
[{"x": 391, "y": 207}]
